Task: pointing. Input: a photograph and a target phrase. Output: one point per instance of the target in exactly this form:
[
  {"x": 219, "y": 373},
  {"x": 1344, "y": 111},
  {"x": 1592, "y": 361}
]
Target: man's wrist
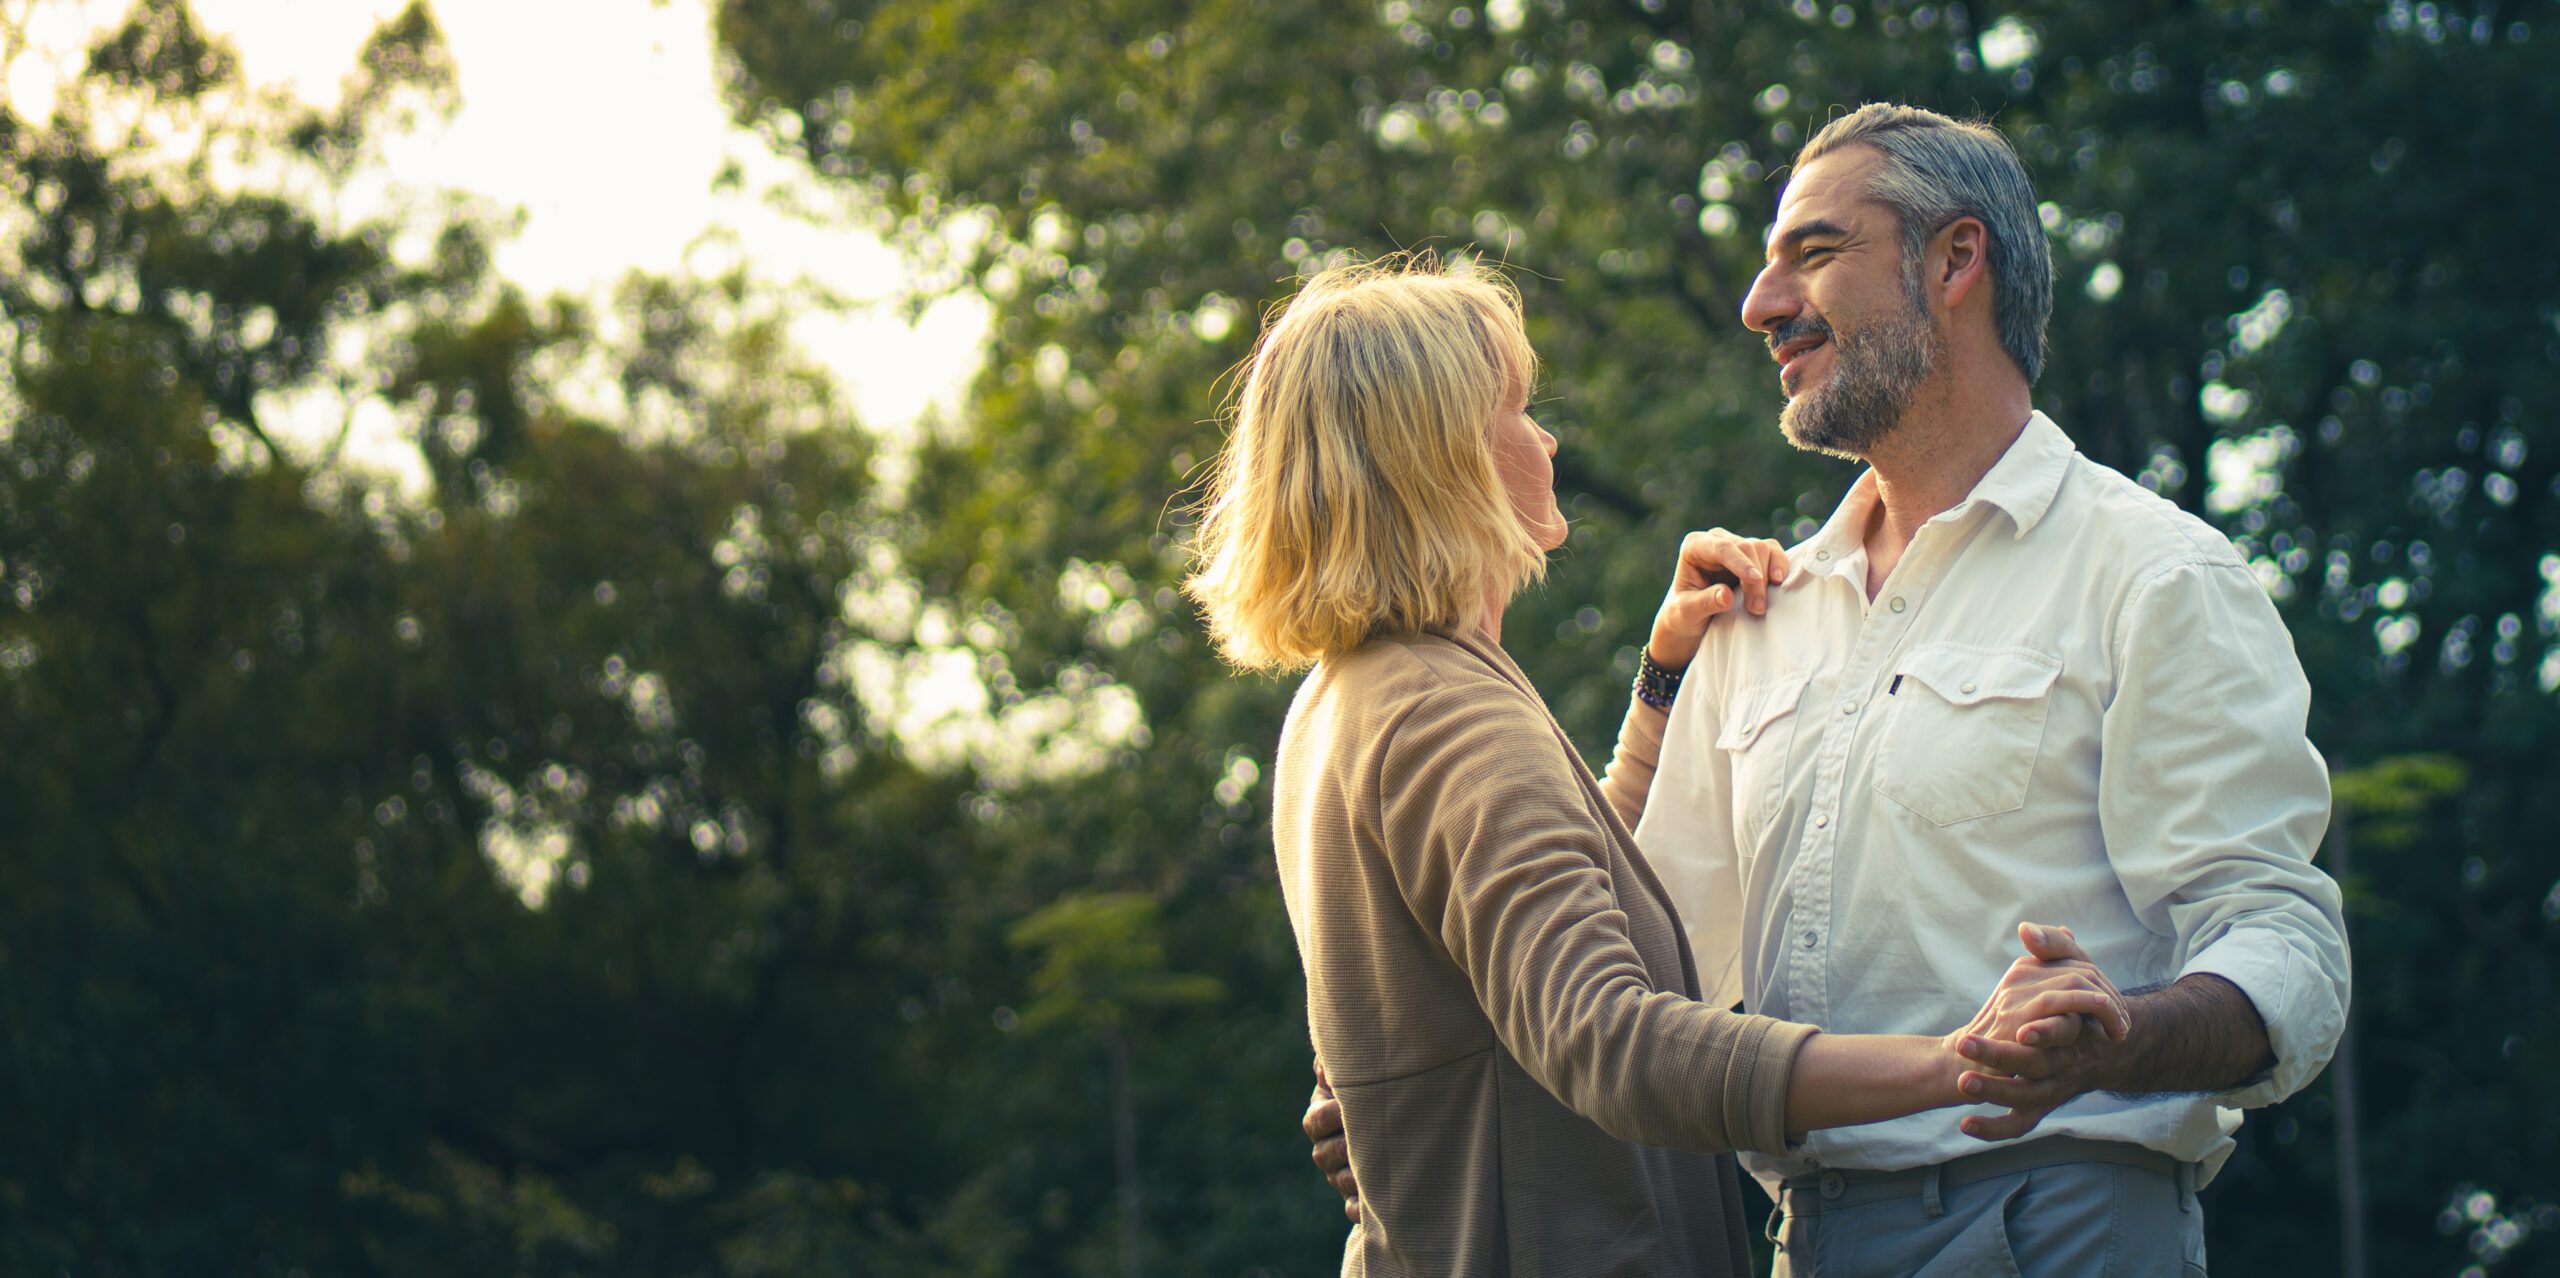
[{"x": 2182, "y": 1042}]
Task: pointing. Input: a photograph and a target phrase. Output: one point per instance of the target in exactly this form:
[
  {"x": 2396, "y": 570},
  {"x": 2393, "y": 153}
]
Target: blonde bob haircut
[{"x": 1357, "y": 493}]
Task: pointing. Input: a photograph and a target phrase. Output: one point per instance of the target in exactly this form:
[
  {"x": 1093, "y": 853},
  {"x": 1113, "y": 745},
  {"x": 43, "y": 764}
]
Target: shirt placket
[{"x": 1882, "y": 624}]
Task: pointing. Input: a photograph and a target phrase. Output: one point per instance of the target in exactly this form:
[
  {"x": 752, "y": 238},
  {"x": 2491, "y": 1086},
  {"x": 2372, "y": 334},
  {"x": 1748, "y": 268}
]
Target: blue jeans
[{"x": 2063, "y": 1220}]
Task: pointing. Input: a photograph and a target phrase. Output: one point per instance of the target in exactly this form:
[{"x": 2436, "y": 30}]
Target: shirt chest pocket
[
  {"x": 1758, "y": 730},
  {"x": 1962, "y": 732}
]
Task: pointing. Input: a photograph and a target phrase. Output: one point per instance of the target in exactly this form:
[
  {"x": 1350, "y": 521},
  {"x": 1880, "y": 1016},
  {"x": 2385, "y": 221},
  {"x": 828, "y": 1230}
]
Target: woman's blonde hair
[{"x": 1357, "y": 493}]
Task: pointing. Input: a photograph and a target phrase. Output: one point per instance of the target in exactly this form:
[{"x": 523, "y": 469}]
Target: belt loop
[
  {"x": 2186, "y": 1187},
  {"x": 1929, "y": 1200}
]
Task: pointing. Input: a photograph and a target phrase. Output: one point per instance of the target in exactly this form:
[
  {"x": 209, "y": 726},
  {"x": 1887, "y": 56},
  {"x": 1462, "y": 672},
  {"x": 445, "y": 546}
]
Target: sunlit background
[
  {"x": 600, "y": 123},
  {"x": 591, "y": 679}
]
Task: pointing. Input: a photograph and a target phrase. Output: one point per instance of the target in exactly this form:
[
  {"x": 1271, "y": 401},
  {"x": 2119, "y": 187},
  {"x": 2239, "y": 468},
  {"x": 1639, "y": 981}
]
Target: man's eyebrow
[{"x": 1819, "y": 226}]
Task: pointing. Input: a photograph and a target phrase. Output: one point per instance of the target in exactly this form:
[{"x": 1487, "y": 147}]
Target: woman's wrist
[
  {"x": 1671, "y": 650},
  {"x": 1846, "y": 1080},
  {"x": 1657, "y": 685}
]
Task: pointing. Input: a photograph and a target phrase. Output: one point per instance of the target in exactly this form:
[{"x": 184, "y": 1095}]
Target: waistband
[{"x": 1836, "y": 1189}]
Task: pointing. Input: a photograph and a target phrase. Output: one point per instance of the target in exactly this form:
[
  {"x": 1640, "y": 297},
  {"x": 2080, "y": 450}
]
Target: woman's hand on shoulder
[{"x": 1717, "y": 569}]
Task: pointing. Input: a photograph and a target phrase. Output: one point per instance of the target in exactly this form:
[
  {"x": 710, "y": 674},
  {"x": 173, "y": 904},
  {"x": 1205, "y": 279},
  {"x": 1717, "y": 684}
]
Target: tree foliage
[
  {"x": 2288, "y": 298},
  {"x": 492, "y": 873}
]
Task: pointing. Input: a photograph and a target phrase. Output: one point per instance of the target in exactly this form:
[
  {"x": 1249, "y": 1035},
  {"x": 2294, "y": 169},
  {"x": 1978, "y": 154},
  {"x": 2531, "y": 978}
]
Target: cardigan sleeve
[
  {"x": 1494, "y": 850},
  {"x": 1631, "y": 764}
]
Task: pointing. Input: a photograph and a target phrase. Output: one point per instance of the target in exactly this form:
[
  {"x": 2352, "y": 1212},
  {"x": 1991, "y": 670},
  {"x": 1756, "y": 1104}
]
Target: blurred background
[{"x": 589, "y": 676}]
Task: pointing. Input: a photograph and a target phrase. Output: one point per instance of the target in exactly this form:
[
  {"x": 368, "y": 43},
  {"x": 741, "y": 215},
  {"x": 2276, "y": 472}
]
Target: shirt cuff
[{"x": 2303, "y": 1014}]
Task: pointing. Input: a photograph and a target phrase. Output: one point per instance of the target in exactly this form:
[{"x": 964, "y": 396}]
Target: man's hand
[
  {"x": 1323, "y": 1125},
  {"x": 2032, "y": 1041},
  {"x": 2198, "y": 1034},
  {"x": 1713, "y": 566}
]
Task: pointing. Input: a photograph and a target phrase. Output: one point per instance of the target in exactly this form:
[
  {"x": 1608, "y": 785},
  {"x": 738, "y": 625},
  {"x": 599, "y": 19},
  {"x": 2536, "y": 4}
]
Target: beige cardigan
[{"x": 1498, "y": 987}]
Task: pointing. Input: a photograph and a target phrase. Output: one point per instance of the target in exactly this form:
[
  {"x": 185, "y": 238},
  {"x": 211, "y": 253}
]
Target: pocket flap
[
  {"x": 1965, "y": 675},
  {"x": 1757, "y": 706}
]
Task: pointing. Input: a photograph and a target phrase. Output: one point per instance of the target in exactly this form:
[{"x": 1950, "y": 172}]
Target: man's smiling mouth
[
  {"x": 1791, "y": 355},
  {"x": 1793, "y": 349}
]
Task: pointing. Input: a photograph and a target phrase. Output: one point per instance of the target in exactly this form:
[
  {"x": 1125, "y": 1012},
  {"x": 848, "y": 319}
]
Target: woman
[{"x": 1496, "y": 984}]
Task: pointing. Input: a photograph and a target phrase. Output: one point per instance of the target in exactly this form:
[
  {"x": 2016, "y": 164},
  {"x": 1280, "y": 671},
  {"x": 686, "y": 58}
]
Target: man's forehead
[{"x": 1830, "y": 188}]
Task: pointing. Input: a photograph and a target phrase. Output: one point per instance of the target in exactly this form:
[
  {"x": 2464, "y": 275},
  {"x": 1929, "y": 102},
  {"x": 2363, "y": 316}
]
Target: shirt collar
[
  {"x": 1841, "y": 538},
  {"x": 2023, "y": 483},
  {"x": 2026, "y": 479}
]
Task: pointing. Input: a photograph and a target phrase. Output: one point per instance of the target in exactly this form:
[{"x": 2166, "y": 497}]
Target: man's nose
[{"x": 1769, "y": 303}]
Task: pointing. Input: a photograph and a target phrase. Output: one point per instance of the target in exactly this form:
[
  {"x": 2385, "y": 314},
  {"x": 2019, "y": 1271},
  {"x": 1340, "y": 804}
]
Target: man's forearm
[{"x": 2200, "y": 1034}]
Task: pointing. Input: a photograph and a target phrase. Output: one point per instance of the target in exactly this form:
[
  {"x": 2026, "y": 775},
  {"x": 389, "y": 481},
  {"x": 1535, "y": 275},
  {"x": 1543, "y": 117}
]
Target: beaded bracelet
[{"x": 1656, "y": 686}]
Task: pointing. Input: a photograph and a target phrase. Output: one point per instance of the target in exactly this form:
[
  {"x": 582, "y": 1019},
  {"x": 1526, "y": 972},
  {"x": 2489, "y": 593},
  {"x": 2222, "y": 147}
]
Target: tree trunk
[
  {"x": 2342, "y": 1083},
  {"x": 1124, "y": 1132}
]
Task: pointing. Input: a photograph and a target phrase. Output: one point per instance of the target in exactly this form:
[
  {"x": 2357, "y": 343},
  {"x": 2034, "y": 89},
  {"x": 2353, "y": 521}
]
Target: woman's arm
[
  {"x": 1843, "y": 1080},
  {"x": 1713, "y": 566},
  {"x": 1631, "y": 765},
  {"x": 1495, "y": 852}
]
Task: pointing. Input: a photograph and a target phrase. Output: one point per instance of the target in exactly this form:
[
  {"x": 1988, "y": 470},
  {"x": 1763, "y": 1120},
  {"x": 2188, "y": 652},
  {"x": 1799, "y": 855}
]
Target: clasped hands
[
  {"x": 2042, "y": 1037},
  {"x": 2039, "y": 1040}
]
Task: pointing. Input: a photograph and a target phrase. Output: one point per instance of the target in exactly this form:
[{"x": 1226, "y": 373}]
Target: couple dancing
[{"x": 2003, "y": 685}]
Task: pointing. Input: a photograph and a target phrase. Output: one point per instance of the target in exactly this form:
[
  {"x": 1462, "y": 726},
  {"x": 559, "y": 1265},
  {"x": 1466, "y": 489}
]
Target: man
[{"x": 2002, "y": 682}]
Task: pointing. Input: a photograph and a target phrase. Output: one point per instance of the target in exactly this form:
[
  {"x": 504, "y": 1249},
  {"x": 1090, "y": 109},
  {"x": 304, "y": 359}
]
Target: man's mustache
[{"x": 1806, "y": 325}]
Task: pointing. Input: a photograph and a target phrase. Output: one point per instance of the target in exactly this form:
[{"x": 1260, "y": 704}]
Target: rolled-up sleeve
[{"x": 2213, "y": 799}]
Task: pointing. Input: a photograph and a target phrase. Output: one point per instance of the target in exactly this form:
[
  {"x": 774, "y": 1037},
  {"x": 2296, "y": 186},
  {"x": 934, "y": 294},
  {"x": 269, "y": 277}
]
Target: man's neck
[{"x": 1942, "y": 449}]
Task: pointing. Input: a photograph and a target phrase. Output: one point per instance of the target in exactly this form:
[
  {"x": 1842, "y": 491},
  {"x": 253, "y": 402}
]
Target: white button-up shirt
[{"x": 2070, "y": 703}]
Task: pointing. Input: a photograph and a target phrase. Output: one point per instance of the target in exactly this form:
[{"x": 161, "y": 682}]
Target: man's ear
[{"x": 1961, "y": 258}]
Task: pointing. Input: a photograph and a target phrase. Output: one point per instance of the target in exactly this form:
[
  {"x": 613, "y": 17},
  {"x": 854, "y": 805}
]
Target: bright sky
[{"x": 602, "y": 121}]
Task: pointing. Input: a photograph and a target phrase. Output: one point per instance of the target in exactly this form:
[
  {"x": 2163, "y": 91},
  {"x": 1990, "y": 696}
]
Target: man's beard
[{"x": 1875, "y": 372}]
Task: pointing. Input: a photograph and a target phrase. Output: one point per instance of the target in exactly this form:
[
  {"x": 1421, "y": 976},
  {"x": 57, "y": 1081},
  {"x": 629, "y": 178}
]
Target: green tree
[
  {"x": 1101, "y": 969},
  {"x": 499, "y": 873}
]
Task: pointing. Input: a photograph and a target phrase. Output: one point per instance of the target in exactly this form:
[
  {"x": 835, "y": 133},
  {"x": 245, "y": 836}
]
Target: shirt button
[
  {"x": 1822, "y": 822},
  {"x": 1822, "y": 555},
  {"x": 1897, "y": 603},
  {"x": 1967, "y": 688},
  {"x": 1851, "y": 707},
  {"x": 1809, "y": 939}
]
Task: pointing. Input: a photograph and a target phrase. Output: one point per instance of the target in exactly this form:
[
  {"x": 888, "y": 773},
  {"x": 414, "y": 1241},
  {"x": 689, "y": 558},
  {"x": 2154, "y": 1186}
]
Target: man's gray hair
[{"x": 1936, "y": 170}]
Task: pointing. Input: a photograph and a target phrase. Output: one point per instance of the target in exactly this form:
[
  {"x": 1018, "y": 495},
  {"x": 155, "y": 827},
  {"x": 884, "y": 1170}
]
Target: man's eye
[{"x": 1812, "y": 253}]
